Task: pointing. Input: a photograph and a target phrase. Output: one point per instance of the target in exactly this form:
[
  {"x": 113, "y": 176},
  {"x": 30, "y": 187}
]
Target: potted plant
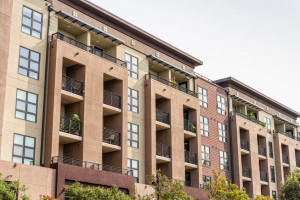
[
  {"x": 75, "y": 129},
  {"x": 193, "y": 127},
  {"x": 264, "y": 124},
  {"x": 173, "y": 82}
]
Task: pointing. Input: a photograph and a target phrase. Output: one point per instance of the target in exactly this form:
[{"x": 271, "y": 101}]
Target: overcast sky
[{"x": 255, "y": 41}]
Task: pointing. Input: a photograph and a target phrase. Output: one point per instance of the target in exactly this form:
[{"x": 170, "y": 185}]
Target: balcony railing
[
  {"x": 248, "y": 117},
  {"x": 68, "y": 125},
  {"x": 262, "y": 150},
  {"x": 90, "y": 165},
  {"x": 287, "y": 134},
  {"x": 85, "y": 47},
  {"x": 298, "y": 163},
  {"x": 246, "y": 172},
  {"x": 111, "y": 99},
  {"x": 285, "y": 159},
  {"x": 190, "y": 126},
  {"x": 171, "y": 84},
  {"x": 263, "y": 176},
  {"x": 244, "y": 144},
  {"x": 71, "y": 85},
  {"x": 191, "y": 184},
  {"x": 162, "y": 116},
  {"x": 163, "y": 150},
  {"x": 111, "y": 137},
  {"x": 190, "y": 157}
]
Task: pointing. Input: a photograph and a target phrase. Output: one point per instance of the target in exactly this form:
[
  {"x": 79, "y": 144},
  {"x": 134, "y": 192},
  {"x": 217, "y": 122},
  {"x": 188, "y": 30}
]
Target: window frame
[
  {"x": 223, "y": 130},
  {"x": 268, "y": 124},
  {"x": 274, "y": 193},
  {"x": 29, "y": 63},
  {"x": 201, "y": 100},
  {"x": 271, "y": 153},
  {"x": 130, "y": 63},
  {"x": 26, "y": 103},
  {"x": 206, "y": 157},
  {"x": 220, "y": 110},
  {"x": 137, "y": 169},
  {"x": 202, "y": 124},
  {"x": 23, "y": 148},
  {"x": 205, "y": 178},
  {"x": 131, "y": 97},
  {"x": 130, "y": 132},
  {"x": 226, "y": 160},
  {"x": 272, "y": 172},
  {"x": 31, "y": 24}
]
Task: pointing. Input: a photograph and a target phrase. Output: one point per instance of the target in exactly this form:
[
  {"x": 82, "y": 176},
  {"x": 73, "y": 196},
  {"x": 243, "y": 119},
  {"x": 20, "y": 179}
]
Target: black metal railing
[
  {"x": 190, "y": 157},
  {"x": 71, "y": 126},
  {"x": 246, "y": 172},
  {"x": 287, "y": 134},
  {"x": 171, "y": 84},
  {"x": 244, "y": 144},
  {"x": 85, "y": 47},
  {"x": 190, "y": 126},
  {"x": 248, "y": 117},
  {"x": 298, "y": 163},
  {"x": 285, "y": 159},
  {"x": 191, "y": 184},
  {"x": 72, "y": 85},
  {"x": 162, "y": 116},
  {"x": 262, "y": 150},
  {"x": 111, "y": 99},
  {"x": 263, "y": 176},
  {"x": 163, "y": 150},
  {"x": 111, "y": 137},
  {"x": 90, "y": 165}
]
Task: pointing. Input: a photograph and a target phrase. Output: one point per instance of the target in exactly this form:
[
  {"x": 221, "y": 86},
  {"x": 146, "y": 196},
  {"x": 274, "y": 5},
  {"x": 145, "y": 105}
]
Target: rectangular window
[
  {"x": 221, "y": 105},
  {"x": 224, "y": 164},
  {"x": 202, "y": 96},
  {"x": 23, "y": 149},
  {"x": 274, "y": 195},
  {"x": 26, "y": 106},
  {"x": 32, "y": 22},
  {"x": 132, "y": 65},
  {"x": 204, "y": 126},
  {"x": 133, "y": 100},
  {"x": 222, "y": 132},
  {"x": 272, "y": 169},
  {"x": 29, "y": 63},
  {"x": 268, "y": 123},
  {"x": 271, "y": 149},
  {"x": 133, "y": 135},
  {"x": 205, "y": 155},
  {"x": 206, "y": 180},
  {"x": 133, "y": 165}
]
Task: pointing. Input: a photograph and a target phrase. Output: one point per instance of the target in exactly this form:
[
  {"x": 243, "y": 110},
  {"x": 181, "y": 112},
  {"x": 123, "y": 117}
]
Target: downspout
[
  {"x": 230, "y": 136},
  {"x": 50, "y": 8}
]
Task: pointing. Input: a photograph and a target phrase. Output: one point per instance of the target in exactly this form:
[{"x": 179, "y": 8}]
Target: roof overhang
[
  {"x": 246, "y": 102},
  {"x": 166, "y": 64},
  {"x": 285, "y": 121},
  {"x": 89, "y": 27}
]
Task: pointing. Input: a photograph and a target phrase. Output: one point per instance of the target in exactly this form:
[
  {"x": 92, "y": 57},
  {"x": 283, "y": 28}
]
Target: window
[
  {"x": 133, "y": 100},
  {"x": 202, "y": 96},
  {"x": 221, "y": 105},
  {"x": 224, "y": 164},
  {"x": 268, "y": 122},
  {"x": 23, "y": 150},
  {"x": 204, "y": 126},
  {"x": 274, "y": 195},
  {"x": 26, "y": 106},
  {"x": 133, "y": 165},
  {"x": 29, "y": 63},
  {"x": 206, "y": 180},
  {"x": 222, "y": 132},
  {"x": 272, "y": 169},
  {"x": 205, "y": 155},
  {"x": 32, "y": 22},
  {"x": 271, "y": 149},
  {"x": 132, "y": 65},
  {"x": 133, "y": 135}
]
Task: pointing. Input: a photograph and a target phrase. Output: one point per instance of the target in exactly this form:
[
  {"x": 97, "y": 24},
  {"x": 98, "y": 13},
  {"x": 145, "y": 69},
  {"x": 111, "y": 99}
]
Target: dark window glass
[
  {"x": 132, "y": 65},
  {"x": 26, "y": 106},
  {"x": 29, "y": 63},
  {"x": 133, "y": 100}
]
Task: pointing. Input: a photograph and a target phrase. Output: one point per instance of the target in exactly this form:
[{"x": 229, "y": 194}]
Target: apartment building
[{"x": 89, "y": 97}]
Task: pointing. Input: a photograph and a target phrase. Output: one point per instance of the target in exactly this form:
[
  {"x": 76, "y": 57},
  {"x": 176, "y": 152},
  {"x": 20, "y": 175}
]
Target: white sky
[{"x": 255, "y": 41}]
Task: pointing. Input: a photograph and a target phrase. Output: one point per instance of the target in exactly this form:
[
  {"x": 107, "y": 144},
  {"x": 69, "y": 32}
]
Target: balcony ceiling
[
  {"x": 246, "y": 102},
  {"x": 284, "y": 120}
]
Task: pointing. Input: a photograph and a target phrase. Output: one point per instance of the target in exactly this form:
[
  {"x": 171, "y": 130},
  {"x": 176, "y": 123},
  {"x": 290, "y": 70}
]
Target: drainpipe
[
  {"x": 230, "y": 136},
  {"x": 50, "y": 8}
]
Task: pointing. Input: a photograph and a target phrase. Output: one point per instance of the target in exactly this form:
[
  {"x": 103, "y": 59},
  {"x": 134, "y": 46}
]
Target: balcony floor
[
  {"x": 69, "y": 97},
  {"x": 285, "y": 165},
  {"x": 264, "y": 183},
  {"x": 161, "y": 159},
  {"x": 106, "y": 148},
  {"x": 244, "y": 152},
  {"x": 261, "y": 157},
  {"x": 246, "y": 179},
  {"x": 161, "y": 126},
  {"x": 190, "y": 166},
  {"x": 110, "y": 110},
  {"x": 66, "y": 138},
  {"x": 188, "y": 134}
]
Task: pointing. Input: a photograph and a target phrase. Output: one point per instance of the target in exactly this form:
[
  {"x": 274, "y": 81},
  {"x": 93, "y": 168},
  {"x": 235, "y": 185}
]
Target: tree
[
  {"x": 219, "y": 189},
  {"x": 10, "y": 191},
  {"x": 290, "y": 190},
  {"x": 262, "y": 197}
]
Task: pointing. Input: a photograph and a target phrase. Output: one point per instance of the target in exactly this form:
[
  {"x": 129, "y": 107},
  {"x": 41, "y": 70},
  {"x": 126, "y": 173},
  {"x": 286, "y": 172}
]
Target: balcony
[
  {"x": 246, "y": 173},
  {"x": 163, "y": 153},
  {"x": 262, "y": 152},
  {"x": 162, "y": 120},
  {"x": 244, "y": 146},
  {"x": 85, "y": 47},
  {"x": 191, "y": 184},
  {"x": 69, "y": 130},
  {"x": 298, "y": 163},
  {"x": 111, "y": 140},
  {"x": 287, "y": 134},
  {"x": 171, "y": 84},
  {"x": 72, "y": 90},
  {"x": 190, "y": 160},
  {"x": 90, "y": 165},
  {"x": 285, "y": 160},
  {"x": 189, "y": 128},
  {"x": 252, "y": 119},
  {"x": 111, "y": 103},
  {"x": 263, "y": 177}
]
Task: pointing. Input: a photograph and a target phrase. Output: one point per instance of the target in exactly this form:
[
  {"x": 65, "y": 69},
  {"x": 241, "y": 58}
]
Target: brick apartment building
[{"x": 89, "y": 97}]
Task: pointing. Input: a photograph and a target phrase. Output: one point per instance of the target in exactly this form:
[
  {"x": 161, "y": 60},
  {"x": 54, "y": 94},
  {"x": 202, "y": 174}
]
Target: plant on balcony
[
  {"x": 75, "y": 119},
  {"x": 10, "y": 190},
  {"x": 196, "y": 95},
  {"x": 173, "y": 82},
  {"x": 251, "y": 115},
  {"x": 193, "y": 128},
  {"x": 291, "y": 187},
  {"x": 264, "y": 124},
  {"x": 62, "y": 86}
]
